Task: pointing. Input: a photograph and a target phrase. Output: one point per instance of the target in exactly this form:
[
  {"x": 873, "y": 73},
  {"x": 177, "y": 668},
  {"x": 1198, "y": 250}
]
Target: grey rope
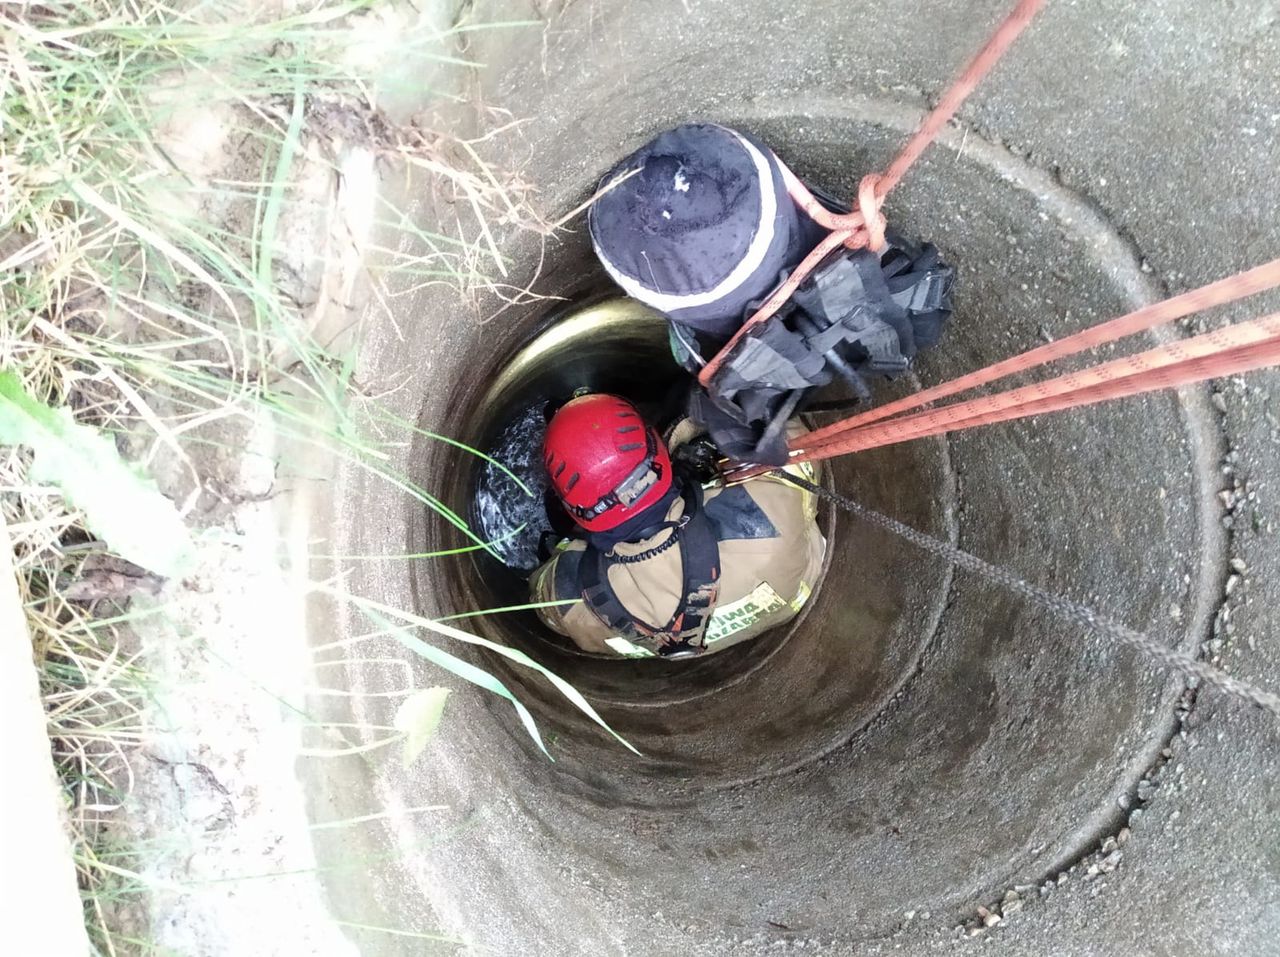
[{"x": 1063, "y": 607}]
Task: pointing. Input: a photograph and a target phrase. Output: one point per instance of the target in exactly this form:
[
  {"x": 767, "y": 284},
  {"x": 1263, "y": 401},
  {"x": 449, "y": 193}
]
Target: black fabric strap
[
  {"x": 685, "y": 631},
  {"x": 859, "y": 314}
]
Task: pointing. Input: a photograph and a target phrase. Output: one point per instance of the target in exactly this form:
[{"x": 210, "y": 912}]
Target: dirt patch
[
  {"x": 216, "y": 824},
  {"x": 217, "y": 815}
]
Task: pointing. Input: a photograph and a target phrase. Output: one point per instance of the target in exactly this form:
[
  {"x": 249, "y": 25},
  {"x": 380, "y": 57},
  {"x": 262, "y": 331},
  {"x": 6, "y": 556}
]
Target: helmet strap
[
  {"x": 631, "y": 489},
  {"x": 641, "y": 525}
]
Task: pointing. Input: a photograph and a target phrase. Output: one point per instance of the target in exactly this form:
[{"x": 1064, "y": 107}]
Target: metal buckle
[
  {"x": 732, "y": 473},
  {"x": 678, "y": 651}
]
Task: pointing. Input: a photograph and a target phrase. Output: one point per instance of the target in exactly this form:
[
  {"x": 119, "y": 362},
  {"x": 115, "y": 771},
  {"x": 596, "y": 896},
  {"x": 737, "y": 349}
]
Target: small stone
[
  {"x": 1010, "y": 908},
  {"x": 909, "y": 915},
  {"x": 1238, "y": 566},
  {"x": 1062, "y": 878},
  {"x": 1232, "y": 582},
  {"x": 1122, "y": 838},
  {"x": 1219, "y": 401},
  {"x": 975, "y": 931},
  {"x": 991, "y": 920},
  {"x": 1011, "y": 896}
]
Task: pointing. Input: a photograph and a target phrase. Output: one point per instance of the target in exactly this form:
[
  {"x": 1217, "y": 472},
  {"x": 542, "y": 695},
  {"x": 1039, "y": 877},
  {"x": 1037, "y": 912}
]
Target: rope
[
  {"x": 1218, "y": 293},
  {"x": 1063, "y": 607},
  {"x": 1235, "y": 349},
  {"x": 865, "y": 226}
]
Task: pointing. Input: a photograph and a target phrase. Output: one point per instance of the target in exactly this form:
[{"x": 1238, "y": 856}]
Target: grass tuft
[{"x": 147, "y": 291}]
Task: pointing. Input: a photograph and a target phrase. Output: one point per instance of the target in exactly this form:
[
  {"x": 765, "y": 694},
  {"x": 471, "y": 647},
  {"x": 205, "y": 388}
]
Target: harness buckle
[
  {"x": 681, "y": 649},
  {"x": 730, "y": 473}
]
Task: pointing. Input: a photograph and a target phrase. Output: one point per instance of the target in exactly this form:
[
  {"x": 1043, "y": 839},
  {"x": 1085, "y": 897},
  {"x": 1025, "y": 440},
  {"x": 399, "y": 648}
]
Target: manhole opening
[
  {"x": 939, "y": 731},
  {"x": 885, "y": 615},
  {"x": 605, "y": 344}
]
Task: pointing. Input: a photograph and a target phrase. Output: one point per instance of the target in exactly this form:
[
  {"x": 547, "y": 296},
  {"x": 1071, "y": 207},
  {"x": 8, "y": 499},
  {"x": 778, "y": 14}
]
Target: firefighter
[{"x": 664, "y": 568}]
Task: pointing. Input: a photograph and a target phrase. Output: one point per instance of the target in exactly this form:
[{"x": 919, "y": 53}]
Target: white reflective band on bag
[{"x": 745, "y": 269}]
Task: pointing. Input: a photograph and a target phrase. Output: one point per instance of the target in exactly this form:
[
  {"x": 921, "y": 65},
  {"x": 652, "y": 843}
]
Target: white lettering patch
[{"x": 732, "y": 618}]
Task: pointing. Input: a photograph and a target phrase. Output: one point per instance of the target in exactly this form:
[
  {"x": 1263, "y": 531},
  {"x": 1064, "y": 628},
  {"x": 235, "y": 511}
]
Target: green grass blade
[
  {"x": 368, "y": 605},
  {"x": 437, "y": 437},
  {"x": 417, "y": 719},
  {"x": 531, "y": 606},
  {"x": 119, "y": 504},
  {"x": 463, "y": 669}
]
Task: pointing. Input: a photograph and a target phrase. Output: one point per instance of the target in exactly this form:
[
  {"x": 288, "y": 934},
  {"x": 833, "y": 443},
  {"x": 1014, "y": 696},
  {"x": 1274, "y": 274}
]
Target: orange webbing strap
[
  {"x": 1218, "y": 293},
  {"x": 865, "y": 226},
  {"x": 1239, "y": 348},
  {"x": 986, "y": 58}
]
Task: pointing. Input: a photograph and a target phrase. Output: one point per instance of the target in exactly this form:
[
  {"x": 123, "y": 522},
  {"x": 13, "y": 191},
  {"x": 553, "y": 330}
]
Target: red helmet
[{"x": 606, "y": 463}]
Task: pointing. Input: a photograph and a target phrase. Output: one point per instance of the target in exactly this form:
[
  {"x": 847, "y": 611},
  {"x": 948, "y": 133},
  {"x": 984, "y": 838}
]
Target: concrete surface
[
  {"x": 42, "y": 911},
  {"x": 920, "y": 744}
]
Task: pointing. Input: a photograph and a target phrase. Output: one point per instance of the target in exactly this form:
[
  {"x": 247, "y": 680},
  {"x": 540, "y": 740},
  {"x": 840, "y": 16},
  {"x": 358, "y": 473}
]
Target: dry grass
[{"x": 152, "y": 300}]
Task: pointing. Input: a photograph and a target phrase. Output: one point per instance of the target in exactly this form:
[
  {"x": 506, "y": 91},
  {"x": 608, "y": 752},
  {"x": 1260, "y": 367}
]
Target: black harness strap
[
  {"x": 685, "y": 632},
  {"x": 859, "y": 314}
]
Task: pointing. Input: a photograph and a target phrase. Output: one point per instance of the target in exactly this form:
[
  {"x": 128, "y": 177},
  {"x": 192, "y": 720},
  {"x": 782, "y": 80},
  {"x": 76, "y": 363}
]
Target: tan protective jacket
[{"x": 770, "y": 558}]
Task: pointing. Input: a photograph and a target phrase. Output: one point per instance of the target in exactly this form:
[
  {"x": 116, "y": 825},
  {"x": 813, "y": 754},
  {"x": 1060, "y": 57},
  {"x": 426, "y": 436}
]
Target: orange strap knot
[
  {"x": 871, "y": 235},
  {"x": 865, "y": 227}
]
